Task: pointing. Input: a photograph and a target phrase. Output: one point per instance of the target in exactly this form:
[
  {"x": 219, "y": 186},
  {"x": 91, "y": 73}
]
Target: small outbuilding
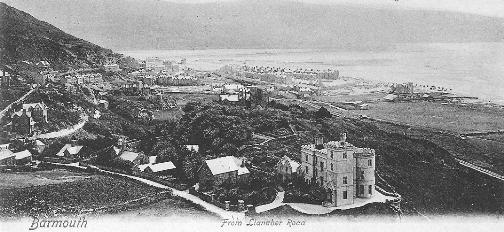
[
  {"x": 7, "y": 158},
  {"x": 164, "y": 168},
  {"x": 23, "y": 157}
]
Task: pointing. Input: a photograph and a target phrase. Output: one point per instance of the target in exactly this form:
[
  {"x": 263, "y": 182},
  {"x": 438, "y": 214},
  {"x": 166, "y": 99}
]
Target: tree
[{"x": 322, "y": 113}]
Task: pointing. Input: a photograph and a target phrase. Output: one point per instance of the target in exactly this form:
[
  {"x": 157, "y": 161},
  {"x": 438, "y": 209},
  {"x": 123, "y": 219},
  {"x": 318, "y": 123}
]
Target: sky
[{"x": 493, "y": 8}]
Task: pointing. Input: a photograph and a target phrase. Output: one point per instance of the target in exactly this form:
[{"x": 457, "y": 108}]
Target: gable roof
[
  {"x": 226, "y": 164},
  {"x": 142, "y": 167},
  {"x": 73, "y": 150},
  {"x": 129, "y": 156},
  {"x": 159, "y": 167},
  {"x": 22, "y": 154},
  {"x": 4, "y": 154},
  {"x": 34, "y": 105},
  {"x": 293, "y": 164}
]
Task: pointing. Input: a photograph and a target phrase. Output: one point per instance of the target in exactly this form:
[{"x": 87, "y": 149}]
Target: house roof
[
  {"x": 33, "y": 105},
  {"x": 142, "y": 167},
  {"x": 152, "y": 159},
  {"x": 39, "y": 143},
  {"x": 22, "y": 154},
  {"x": 73, "y": 150},
  {"x": 226, "y": 164},
  {"x": 293, "y": 164},
  {"x": 129, "y": 156},
  {"x": 4, "y": 154},
  {"x": 159, "y": 167}
]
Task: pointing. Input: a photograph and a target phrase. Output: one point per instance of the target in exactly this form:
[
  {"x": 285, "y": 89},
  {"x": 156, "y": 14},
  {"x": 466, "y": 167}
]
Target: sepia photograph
[{"x": 252, "y": 115}]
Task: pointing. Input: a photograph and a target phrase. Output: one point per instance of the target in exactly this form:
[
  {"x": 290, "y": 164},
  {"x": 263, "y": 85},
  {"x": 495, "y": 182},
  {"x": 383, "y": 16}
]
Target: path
[
  {"x": 319, "y": 209},
  {"x": 2, "y": 113},
  {"x": 64, "y": 132},
  {"x": 184, "y": 194},
  {"x": 480, "y": 169},
  {"x": 276, "y": 203}
]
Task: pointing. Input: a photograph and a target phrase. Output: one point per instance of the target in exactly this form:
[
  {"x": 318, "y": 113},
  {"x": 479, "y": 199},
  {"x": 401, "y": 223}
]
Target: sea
[{"x": 469, "y": 69}]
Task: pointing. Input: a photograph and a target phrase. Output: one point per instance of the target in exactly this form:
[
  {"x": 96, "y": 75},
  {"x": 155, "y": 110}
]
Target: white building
[{"x": 345, "y": 171}]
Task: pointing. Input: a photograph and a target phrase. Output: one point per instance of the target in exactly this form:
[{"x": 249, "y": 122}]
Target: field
[
  {"x": 169, "y": 115},
  {"x": 85, "y": 193},
  {"x": 454, "y": 118},
  {"x": 28, "y": 179},
  {"x": 171, "y": 207}
]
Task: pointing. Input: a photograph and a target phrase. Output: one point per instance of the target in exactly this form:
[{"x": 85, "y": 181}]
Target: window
[
  {"x": 362, "y": 175},
  {"x": 332, "y": 155},
  {"x": 286, "y": 169},
  {"x": 321, "y": 180},
  {"x": 332, "y": 167},
  {"x": 370, "y": 190},
  {"x": 345, "y": 195},
  {"x": 306, "y": 168},
  {"x": 306, "y": 158},
  {"x": 345, "y": 180},
  {"x": 344, "y": 155},
  {"x": 321, "y": 166},
  {"x": 370, "y": 163},
  {"x": 361, "y": 189}
]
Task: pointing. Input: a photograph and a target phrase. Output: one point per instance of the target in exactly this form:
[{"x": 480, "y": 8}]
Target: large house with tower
[{"x": 346, "y": 172}]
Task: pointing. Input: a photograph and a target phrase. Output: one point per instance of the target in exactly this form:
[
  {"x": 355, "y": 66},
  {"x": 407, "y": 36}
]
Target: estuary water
[{"x": 470, "y": 69}]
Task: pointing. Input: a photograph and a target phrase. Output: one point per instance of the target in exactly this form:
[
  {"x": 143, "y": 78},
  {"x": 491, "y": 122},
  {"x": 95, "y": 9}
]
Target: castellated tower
[
  {"x": 346, "y": 172},
  {"x": 365, "y": 172}
]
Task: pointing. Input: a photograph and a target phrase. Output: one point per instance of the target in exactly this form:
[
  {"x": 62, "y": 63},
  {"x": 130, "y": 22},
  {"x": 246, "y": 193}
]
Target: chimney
[
  {"x": 121, "y": 144},
  {"x": 73, "y": 142},
  {"x": 243, "y": 162},
  {"x": 343, "y": 137},
  {"x": 319, "y": 141}
]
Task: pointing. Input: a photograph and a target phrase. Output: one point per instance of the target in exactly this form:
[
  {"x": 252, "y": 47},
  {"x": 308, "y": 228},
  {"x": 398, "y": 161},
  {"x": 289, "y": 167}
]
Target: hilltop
[
  {"x": 25, "y": 38},
  {"x": 151, "y": 24}
]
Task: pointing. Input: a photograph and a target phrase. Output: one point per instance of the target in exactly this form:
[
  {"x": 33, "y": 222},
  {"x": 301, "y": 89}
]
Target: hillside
[
  {"x": 427, "y": 177},
  {"x": 25, "y": 38},
  {"x": 152, "y": 24}
]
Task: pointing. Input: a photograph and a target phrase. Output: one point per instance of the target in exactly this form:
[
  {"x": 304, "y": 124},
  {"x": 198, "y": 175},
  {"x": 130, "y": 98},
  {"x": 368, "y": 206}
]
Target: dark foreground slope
[{"x": 25, "y": 38}]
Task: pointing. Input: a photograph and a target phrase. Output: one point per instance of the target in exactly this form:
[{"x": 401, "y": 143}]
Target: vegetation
[{"x": 71, "y": 197}]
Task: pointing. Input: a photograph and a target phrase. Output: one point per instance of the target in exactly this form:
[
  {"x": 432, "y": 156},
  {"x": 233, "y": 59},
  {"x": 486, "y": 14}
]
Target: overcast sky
[{"x": 481, "y": 7}]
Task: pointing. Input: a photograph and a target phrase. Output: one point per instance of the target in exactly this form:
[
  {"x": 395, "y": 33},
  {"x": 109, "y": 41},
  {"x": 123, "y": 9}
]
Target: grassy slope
[
  {"x": 23, "y": 37},
  {"x": 71, "y": 197}
]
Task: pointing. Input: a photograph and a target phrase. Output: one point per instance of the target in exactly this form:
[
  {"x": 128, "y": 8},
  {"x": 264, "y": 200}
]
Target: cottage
[
  {"x": 39, "y": 146},
  {"x": 5, "y": 78},
  {"x": 22, "y": 122},
  {"x": 111, "y": 68},
  {"x": 23, "y": 157},
  {"x": 131, "y": 159},
  {"x": 37, "y": 111},
  {"x": 224, "y": 169},
  {"x": 7, "y": 157},
  {"x": 160, "y": 168},
  {"x": 69, "y": 151},
  {"x": 4, "y": 146},
  {"x": 286, "y": 168}
]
